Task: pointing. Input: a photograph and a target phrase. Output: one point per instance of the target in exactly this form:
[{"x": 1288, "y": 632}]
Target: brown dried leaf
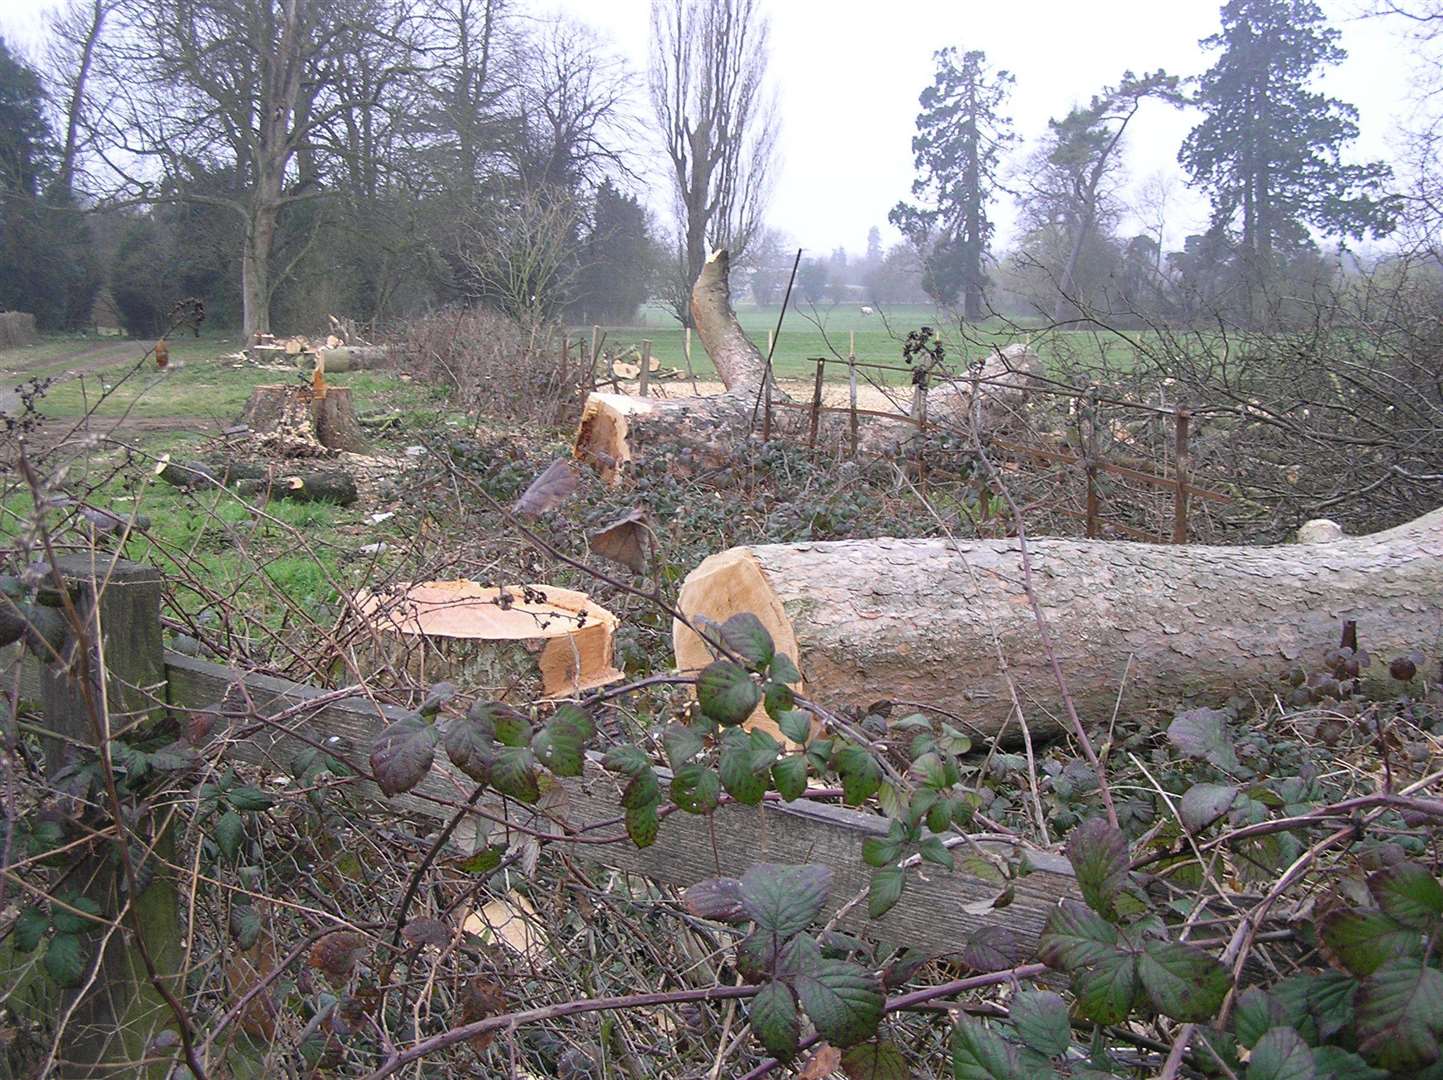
[
  {"x": 426, "y": 932},
  {"x": 481, "y": 998},
  {"x": 827, "y": 1060},
  {"x": 334, "y": 956},
  {"x": 624, "y": 540},
  {"x": 549, "y": 490}
]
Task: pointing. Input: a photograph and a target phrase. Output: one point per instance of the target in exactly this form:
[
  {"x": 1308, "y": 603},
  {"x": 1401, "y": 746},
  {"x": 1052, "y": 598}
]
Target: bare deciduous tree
[{"x": 718, "y": 125}]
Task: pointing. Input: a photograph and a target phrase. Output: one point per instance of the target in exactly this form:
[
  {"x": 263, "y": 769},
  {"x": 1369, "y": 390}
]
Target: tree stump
[
  {"x": 513, "y": 643},
  {"x": 297, "y": 422}
]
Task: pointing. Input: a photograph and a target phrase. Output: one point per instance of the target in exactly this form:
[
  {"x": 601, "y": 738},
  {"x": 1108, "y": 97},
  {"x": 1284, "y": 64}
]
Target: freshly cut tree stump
[
  {"x": 295, "y": 421},
  {"x": 514, "y": 643},
  {"x": 924, "y": 620}
]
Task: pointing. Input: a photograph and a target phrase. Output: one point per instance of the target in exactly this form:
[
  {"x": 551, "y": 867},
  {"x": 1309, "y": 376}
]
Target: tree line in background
[{"x": 281, "y": 159}]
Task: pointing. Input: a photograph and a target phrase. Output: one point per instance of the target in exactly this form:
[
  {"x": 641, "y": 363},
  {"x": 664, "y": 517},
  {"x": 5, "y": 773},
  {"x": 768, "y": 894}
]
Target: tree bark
[
  {"x": 1133, "y": 625},
  {"x": 301, "y": 422},
  {"x": 738, "y": 362}
]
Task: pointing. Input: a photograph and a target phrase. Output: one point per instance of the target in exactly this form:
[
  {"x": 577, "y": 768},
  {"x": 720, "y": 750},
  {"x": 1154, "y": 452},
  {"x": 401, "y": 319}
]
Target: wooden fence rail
[{"x": 939, "y": 910}]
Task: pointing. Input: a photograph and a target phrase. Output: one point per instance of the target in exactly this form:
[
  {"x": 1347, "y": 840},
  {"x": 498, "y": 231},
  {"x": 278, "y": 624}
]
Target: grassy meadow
[{"x": 808, "y": 333}]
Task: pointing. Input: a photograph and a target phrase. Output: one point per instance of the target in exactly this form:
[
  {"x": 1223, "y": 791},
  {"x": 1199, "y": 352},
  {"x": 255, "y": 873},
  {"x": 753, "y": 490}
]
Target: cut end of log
[
  {"x": 461, "y": 630},
  {"x": 602, "y": 436},
  {"x": 727, "y": 584},
  {"x": 1319, "y": 531}
]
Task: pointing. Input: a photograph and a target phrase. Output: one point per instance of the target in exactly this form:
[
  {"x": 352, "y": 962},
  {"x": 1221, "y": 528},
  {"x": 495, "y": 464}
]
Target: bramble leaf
[
  {"x": 65, "y": 959},
  {"x": 1409, "y": 893},
  {"x": 727, "y": 693},
  {"x": 1362, "y": 940},
  {"x": 1040, "y": 1018},
  {"x": 790, "y": 776},
  {"x": 875, "y": 1061},
  {"x": 1203, "y": 733},
  {"x": 695, "y": 789},
  {"x": 1202, "y": 804},
  {"x": 884, "y": 890},
  {"x": 1182, "y": 982},
  {"x": 402, "y": 753},
  {"x": 1281, "y": 1054},
  {"x": 1400, "y": 1015},
  {"x": 744, "y": 635},
  {"x": 1099, "y": 857},
  {"x": 843, "y": 1001},
  {"x": 785, "y": 900},
  {"x": 979, "y": 1053},
  {"x": 773, "y": 1016}
]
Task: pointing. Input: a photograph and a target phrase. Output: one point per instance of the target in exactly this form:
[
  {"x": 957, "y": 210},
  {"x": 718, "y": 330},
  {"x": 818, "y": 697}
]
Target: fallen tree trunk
[
  {"x": 353, "y": 358},
  {"x": 1133, "y": 625},
  {"x": 316, "y": 486},
  {"x": 617, "y": 430}
]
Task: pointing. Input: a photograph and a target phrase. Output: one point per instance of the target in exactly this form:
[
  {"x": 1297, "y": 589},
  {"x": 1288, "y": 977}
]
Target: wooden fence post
[
  {"x": 645, "y": 367},
  {"x": 816, "y": 404},
  {"x": 595, "y": 352},
  {"x": 119, "y": 680},
  {"x": 767, "y": 403},
  {"x": 690, "y": 371},
  {"x": 1180, "y": 464},
  {"x": 852, "y": 388},
  {"x": 1093, "y": 525}
]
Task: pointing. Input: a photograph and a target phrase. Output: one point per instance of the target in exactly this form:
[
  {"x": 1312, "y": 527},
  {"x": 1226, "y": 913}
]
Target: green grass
[{"x": 808, "y": 333}]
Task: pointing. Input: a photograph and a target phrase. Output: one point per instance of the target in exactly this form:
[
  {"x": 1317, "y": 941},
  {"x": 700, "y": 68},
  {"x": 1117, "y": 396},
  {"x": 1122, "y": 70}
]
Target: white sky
[{"x": 848, "y": 73}]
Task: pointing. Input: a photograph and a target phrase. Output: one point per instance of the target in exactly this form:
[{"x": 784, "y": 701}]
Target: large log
[
  {"x": 1133, "y": 625},
  {"x": 341, "y": 358}
]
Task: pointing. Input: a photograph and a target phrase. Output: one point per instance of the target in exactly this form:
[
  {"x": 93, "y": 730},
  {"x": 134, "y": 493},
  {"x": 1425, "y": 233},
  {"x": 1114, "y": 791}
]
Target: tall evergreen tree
[
  {"x": 619, "y": 258},
  {"x": 961, "y": 135},
  {"x": 47, "y": 266},
  {"x": 1269, "y": 148}
]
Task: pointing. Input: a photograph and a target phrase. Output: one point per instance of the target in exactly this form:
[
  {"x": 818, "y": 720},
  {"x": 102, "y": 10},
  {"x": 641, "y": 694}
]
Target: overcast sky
[{"x": 848, "y": 73}]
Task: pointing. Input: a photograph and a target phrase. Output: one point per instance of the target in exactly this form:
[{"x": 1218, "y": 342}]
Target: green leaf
[
  {"x": 1281, "y": 1054},
  {"x": 642, "y": 824},
  {"x": 860, "y": 773},
  {"x": 796, "y": 725},
  {"x": 884, "y": 850},
  {"x": 1076, "y": 937},
  {"x": 643, "y": 789},
  {"x": 402, "y": 753},
  {"x": 696, "y": 789},
  {"x": 1335, "y": 1063},
  {"x": 483, "y": 861},
  {"x": 774, "y": 1018},
  {"x": 513, "y": 773},
  {"x": 843, "y": 1001},
  {"x": 560, "y": 744},
  {"x": 727, "y": 693},
  {"x": 783, "y": 670},
  {"x": 1399, "y": 1014},
  {"x": 626, "y": 759},
  {"x": 29, "y": 929},
  {"x": 875, "y": 1061},
  {"x": 1362, "y": 940},
  {"x": 681, "y": 744},
  {"x": 790, "y": 776},
  {"x": 979, "y": 1053},
  {"x": 994, "y": 948},
  {"x": 1257, "y": 1013},
  {"x": 744, "y": 635},
  {"x": 1182, "y": 982},
  {"x": 741, "y": 780},
  {"x": 1099, "y": 857},
  {"x": 229, "y": 832},
  {"x": 1107, "y": 991},
  {"x": 1040, "y": 1017},
  {"x": 785, "y": 900},
  {"x": 1409, "y": 893},
  {"x": 935, "y": 851},
  {"x": 65, "y": 959},
  {"x": 1203, "y": 733},
  {"x": 471, "y": 745},
  {"x": 69, "y": 922},
  {"x": 884, "y": 890},
  {"x": 1202, "y": 804},
  {"x": 245, "y": 925},
  {"x": 512, "y": 727}
]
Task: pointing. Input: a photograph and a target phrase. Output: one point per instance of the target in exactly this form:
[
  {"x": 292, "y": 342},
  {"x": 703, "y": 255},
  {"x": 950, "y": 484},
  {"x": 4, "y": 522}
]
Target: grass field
[{"x": 810, "y": 333}]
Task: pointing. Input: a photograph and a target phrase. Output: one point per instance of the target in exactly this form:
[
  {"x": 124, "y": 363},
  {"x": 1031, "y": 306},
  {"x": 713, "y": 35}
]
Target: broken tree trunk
[
  {"x": 687, "y": 433},
  {"x": 513, "y": 643},
  {"x": 295, "y": 421},
  {"x": 353, "y": 358},
  {"x": 1132, "y": 625}
]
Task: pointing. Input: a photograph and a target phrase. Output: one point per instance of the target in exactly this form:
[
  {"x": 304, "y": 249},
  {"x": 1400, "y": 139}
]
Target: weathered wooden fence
[{"x": 265, "y": 720}]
